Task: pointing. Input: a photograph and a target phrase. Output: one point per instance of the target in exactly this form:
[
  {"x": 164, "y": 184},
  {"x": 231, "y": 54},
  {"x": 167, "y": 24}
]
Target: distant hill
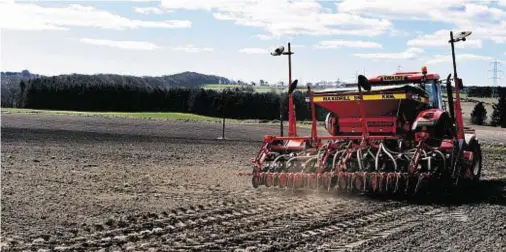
[
  {"x": 180, "y": 80},
  {"x": 192, "y": 79},
  {"x": 11, "y": 82}
]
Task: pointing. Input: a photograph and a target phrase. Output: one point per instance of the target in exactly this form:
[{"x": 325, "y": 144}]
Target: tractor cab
[
  {"x": 429, "y": 83},
  {"x": 434, "y": 94}
]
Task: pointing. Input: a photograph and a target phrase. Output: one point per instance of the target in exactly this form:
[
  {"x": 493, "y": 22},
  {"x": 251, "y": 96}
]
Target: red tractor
[{"x": 387, "y": 134}]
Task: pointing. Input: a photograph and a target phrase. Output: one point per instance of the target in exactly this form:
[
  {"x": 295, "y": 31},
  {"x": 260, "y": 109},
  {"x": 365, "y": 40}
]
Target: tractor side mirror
[
  {"x": 461, "y": 84},
  {"x": 293, "y": 86},
  {"x": 363, "y": 82},
  {"x": 448, "y": 82}
]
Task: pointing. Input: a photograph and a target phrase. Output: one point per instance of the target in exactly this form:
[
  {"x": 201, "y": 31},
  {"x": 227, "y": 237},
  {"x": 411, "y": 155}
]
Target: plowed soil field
[{"x": 74, "y": 183}]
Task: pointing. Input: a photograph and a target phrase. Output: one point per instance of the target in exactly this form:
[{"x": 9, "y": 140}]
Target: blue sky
[{"x": 232, "y": 38}]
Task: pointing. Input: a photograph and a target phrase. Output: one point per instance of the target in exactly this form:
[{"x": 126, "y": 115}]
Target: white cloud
[
  {"x": 459, "y": 57},
  {"x": 481, "y": 17},
  {"x": 192, "y": 49},
  {"x": 263, "y": 37},
  {"x": 29, "y": 16},
  {"x": 495, "y": 32},
  {"x": 410, "y": 53},
  {"x": 283, "y": 17},
  {"x": 440, "y": 38},
  {"x": 398, "y": 33},
  {"x": 253, "y": 51},
  {"x": 423, "y": 9},
  {"x": 394, "y": 9},
  {"x": 149, "y": 10},
  {"x": 297, "y": 46},
  {"x": 198, "y": 4},
  {"x": 129, "y": 45},
  {"x": 331, "y": 44}
]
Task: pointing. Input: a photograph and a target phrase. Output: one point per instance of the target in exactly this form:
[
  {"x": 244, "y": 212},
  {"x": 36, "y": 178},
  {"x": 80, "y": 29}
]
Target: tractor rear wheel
[{"x": 255, "y": 181}]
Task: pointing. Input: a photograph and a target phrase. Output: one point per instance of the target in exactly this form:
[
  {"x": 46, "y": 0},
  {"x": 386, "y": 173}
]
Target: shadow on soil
[
  {"x": 491, "y": 191},
  {"x": 17, "y": 134}
]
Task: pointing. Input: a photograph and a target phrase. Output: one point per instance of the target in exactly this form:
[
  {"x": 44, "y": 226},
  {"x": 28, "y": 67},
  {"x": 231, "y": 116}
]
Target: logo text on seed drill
[
  {"x": 357, "y": 97},
  {"x": 340, "y": 98}
]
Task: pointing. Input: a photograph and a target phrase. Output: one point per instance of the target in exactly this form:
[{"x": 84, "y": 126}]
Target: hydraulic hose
[
  {"x": 309, "y": 160},
  {"x": 442, "y": 155},
  {"x": 376, "y": 159},
  {"x": 359, "y": 159},
  {"x": 340, "y": 158},
  {"x": 389, "y": 155},
  {"x": 298, "y": 157}
]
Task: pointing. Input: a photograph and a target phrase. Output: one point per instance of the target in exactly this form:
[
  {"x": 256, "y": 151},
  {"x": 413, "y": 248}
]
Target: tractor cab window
[{"x": 433, "y": 92}]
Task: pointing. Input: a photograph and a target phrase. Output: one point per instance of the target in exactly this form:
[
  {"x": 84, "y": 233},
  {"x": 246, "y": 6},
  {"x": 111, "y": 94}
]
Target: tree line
[
  {"x": 177, "y": 93},
  {"x": 485, "y": 91},
  {"x": 84, "y": 95},
  {"x": 12, "y": 85},
  {"x": 498, "y": 116}
]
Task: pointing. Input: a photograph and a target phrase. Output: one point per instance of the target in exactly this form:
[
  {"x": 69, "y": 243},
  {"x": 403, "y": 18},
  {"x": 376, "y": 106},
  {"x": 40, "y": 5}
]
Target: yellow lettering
[
  {"x": 336, "y": 98},
  {"x": 366, "y": 97},
  {"x": 387, "y": 96}
]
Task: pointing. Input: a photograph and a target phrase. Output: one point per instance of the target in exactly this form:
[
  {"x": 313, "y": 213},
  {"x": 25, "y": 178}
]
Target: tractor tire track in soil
[
  {"x": 451, "y": 230},
  {"x": 182, "y": 220},
  {"x": 113, "y": 184}
]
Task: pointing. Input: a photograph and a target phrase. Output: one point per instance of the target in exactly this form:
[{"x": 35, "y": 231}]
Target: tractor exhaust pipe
[
  {"x": 363, "y": 82},
  {"x": 449, "y": 93}
]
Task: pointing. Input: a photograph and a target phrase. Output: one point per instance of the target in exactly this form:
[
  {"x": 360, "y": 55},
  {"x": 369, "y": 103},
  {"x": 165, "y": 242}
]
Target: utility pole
[
  {"x": 399, "y": 68},
  {"x": 495, "y": 77},
  {"x": 224, "y": 93}
]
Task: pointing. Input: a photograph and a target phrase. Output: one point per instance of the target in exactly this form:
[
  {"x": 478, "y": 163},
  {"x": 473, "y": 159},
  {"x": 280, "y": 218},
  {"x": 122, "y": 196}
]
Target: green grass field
[
  {"x": 153, "y": 115},
  {"x": 467, "y": 107},
  {"x": 148, "y": 115}
]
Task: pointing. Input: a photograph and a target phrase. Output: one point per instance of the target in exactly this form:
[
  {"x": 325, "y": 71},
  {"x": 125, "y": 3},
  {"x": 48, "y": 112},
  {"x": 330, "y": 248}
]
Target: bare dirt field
[{"x": 115, "y": 184}]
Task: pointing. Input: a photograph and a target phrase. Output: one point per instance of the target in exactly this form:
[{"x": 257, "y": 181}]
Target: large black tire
[
  {"x": 476, "y": 165},
  {"x": 442, "y": 130},
  {"x": 255, "y": 180}
]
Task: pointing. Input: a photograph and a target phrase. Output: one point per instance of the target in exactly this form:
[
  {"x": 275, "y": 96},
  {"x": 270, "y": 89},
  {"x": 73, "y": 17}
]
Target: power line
[{"x": 495, "y": 76}]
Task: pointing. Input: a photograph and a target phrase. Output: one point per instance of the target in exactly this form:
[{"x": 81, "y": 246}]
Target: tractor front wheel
[
  {"x": 476, "y": 164},
  {"x": 255, "y": 180}
]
